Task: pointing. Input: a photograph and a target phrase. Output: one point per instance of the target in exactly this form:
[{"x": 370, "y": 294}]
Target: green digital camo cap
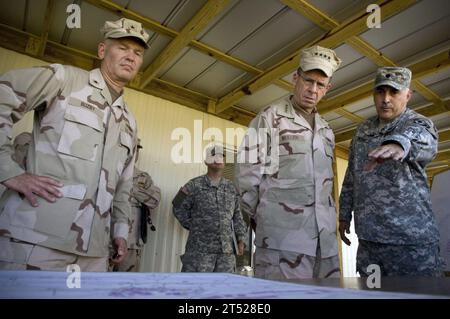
[{"x": 397, "y": 77}]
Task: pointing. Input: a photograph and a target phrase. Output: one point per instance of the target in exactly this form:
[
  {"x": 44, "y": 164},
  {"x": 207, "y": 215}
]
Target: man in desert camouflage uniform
[
  {"x": 20, "y": 148},
  {"x": 208, "y": 206},
  {"x": 145, "y": 197},
  {"x": 386, "y": 185},
  {"x": 80, "y": 163},
  {"x": 287, "y": 187}
]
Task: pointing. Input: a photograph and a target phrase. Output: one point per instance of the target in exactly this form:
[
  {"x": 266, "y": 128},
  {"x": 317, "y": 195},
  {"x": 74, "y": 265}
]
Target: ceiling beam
[
  {"x": 330, "y": 40},
  {"x": 201, "y": 19},
  {"x": 341, "y": 152},
  {"x": 442, "y": 156},
  {"x": 444, "y": 136},
  {"x": 197, "y": 45},
  {"x": 46, "y": 27}
]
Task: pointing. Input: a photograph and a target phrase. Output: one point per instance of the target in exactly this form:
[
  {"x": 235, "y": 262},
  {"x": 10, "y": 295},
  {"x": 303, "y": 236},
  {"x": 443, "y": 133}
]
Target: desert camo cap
[
  {"x": 317, "y": 57},
  {"x": 125, "y": 28}
]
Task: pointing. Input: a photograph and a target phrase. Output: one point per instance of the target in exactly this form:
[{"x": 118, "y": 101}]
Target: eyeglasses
[{"x": 310, "y": 82}]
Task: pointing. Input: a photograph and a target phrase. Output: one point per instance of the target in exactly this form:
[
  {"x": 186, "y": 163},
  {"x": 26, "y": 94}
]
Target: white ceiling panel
[
  {"x": 436, "y": 77},
  {"x": 431, "y": 35},
  {"x": 36, "y": 15},
  {"x": 157, "y": 43},
  {"x": 342, "y": 9},
  {"x": 12, "y": 14},
  {"x": 411, "y": 20},
  {"x": 330, "y": 116},
  {"x": 262, "y": 98},
  {"x": 367, "y": 112},
  {"x": 214, "y": 79},
  {"x": 340, "y": 122},
  {"x": 353, "y": 74},
  {"x": 187, "y": 67},
  {"x": 238, "y": 23},
  {"x": 88, "y": 36},
  {"x": 268, "y": 39},
  {"x": 359, "y": 105}
]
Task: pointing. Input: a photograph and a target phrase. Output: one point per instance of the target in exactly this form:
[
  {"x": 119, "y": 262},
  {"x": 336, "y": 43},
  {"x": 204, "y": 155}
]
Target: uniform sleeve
[
  {"x": 240, "y": 228},
  {"x": 121, "y": 212},
  {"x": 146, "y": 192},
  {"x": 252, "y": 158},
  {"x": 418, "y": 138},
  {"x": 22, "y": 91},
  {"x": 346, "y": 196},
  {"x": 183, "y": 204}
]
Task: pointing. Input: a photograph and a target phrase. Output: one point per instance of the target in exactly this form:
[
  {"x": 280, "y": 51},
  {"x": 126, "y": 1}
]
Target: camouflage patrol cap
[
  {"x": 125, "y": 28},
  {"x": 397, "y": 77},
  {"x": 211, "y": 153},
  {"x": 317, "y": 57}
]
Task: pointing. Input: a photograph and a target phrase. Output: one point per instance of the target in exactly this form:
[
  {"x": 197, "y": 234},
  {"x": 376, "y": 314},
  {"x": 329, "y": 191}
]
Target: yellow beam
[
  {"x": 312, "y": 13},
  {"x": 341, "y": 152},
  {"x": 344, "y": 136},
  {"x": 46, "y": 27},
  {"x": 442, "y": 156},
  {"x": 444, "y": 136},
  {"x": 355, "y": 118},
  {"x": 201, "y": 19},
  {"x": 332, "y": 39}
]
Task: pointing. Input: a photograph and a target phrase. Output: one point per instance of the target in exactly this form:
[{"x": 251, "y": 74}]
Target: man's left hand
[{"x": 120, "y": 249}]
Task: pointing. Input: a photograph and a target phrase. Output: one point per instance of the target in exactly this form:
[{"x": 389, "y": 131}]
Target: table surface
[{"x": 44, "y": 284}]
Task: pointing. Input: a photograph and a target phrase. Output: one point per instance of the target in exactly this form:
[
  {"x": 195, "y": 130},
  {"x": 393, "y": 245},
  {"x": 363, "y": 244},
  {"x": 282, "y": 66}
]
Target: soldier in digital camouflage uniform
[
  {"x": 144, "y": 193},
  {"x": 208, "y": 206},
  {"x": 386, "y": 185},
  {"x": 292, "y": 202},
  {"x": 80, "y": 163}
]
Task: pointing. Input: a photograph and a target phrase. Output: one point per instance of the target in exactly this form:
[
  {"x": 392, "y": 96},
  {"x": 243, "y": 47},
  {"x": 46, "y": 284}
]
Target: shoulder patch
[{"x": 179, "y": 198}]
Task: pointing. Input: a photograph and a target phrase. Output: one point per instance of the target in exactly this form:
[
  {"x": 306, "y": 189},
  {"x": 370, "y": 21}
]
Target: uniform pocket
[
  {"x": 48, "y": 218},
  {"x": 293, "y": 163},
  {"x": 287, "y": 208},
  {"x": 82, "y": 133}
]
